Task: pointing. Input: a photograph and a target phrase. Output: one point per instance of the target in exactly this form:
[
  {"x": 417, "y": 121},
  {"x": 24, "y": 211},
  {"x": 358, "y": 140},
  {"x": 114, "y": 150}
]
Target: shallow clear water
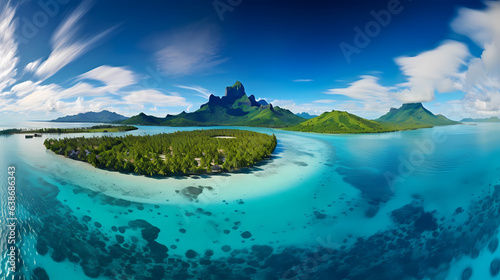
[{"x": 420, "y": 204}]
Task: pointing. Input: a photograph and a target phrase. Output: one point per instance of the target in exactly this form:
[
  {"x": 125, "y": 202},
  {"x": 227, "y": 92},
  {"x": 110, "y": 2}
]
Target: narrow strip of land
[{"x": 95, "y": 128}]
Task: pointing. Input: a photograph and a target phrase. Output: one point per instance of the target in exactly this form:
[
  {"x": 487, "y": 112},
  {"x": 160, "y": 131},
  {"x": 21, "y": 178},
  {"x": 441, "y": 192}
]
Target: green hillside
[
  {"x": 414, "y": 115},
  {"x": 234, "y": 108},
  {"x": 340, "y": 122},
  {"x": 409, "y": 116},
  {"x": 142, "y": 119}
]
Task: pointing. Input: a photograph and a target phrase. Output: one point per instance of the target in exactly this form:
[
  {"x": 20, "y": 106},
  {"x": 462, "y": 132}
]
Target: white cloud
[
  {"x": 324, "y": 101},
  {"x": 23, "y": 88},
  {"x": 482, "y": 77},
  {"x": 114, "y": 78},
  {"x": 302, "y": 80},
  {"x": 32, "y": 66},
  {"x": 205, "y": 93},
  {"x": 190, "y": 50},
  {"x": 8, "y": 47},
  {"x": 154, "y": 97},
  {"x": 66, "y": 47},
  {"x": 374, "y": 99},
  {"x": 430, "y": 71},
  {"x": 367, "y": 88}
]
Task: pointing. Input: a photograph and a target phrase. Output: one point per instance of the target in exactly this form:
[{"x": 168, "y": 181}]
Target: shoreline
[
  {"x": 147, "y": 154},
  {"x": 180, "y": 176},
  {"x": 257, "y": 182}
]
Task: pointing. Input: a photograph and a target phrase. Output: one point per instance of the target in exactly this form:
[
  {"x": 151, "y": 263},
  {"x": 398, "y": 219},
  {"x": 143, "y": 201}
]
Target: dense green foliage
[
  {"x": 490, "y": 119},
  {"x": 414, "y": 114},
  {"x": 95, "y": 128},
  {"x": 178, "y": 153},
  {"x": 340, "y": 122},
  {"x": 235, "y": 109},
  {"x": 409, "y": 116}
]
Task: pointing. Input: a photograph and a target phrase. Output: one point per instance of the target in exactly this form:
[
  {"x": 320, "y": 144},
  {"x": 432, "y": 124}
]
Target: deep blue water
[{"x": 420, "y": 204}]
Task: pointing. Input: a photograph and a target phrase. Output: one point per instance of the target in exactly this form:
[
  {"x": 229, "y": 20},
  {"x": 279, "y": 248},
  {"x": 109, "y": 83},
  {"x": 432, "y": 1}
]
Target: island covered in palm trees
[{"x": 178, "y": 153}]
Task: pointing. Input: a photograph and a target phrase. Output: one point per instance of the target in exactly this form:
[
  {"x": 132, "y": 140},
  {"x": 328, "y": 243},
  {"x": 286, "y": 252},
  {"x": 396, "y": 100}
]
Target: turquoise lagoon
[{"x": 420, "y": 204}]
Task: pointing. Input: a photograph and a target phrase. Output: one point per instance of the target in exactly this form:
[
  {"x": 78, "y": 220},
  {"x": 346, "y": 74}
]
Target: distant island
[
  {"x": 306, "y": 115},
  {"x": 235, "y": 108},
  {"x": 414, "y": 115},
  {"x": 409, "y": 116},
  {"x": 95, "y": 128},
  {"x": 178, "y": 153},
  {"x": 95, "y": 117},
  {"x": 490, "y": 119}
]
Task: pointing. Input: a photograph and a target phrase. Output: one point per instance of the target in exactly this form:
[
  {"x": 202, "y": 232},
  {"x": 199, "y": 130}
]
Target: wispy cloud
[
  {"x": 367, "y": 89},
  {"x": 324, "y": 101},
  {"x": 32, "y": 66},
  {"x": 8, "y": 47},
  {"x": 190, "y": 50},
  {"x": 114, "y": 78},
  {"x": 302, "y": 80},
  {"x": 154, "y": 97},
  {"x": 371, "y": 97},
  {"x": 205, "y": 93},
  {"x": 66, "y": 46}
]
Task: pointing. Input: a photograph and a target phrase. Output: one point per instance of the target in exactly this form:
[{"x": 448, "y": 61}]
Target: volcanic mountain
[
  {"x": 414, "y": 114},
  {"x": 234, "y": 108}
]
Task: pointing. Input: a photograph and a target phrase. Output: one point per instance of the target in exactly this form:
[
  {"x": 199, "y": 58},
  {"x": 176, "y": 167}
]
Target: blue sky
[{"x": 63, "y": 57}]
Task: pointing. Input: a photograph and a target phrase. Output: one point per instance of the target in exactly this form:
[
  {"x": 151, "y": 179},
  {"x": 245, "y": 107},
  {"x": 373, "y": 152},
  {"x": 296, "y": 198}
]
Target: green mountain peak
[
  {"x": 413, "y": 114},
  {"x": 234, "y": 108}
]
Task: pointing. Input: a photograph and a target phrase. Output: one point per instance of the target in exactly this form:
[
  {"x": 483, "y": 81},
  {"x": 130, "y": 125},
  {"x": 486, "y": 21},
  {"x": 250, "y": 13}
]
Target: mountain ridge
[
  {"x": 234, "y": 108},
  {"x": 490, "y": 119},
  {"x": 104, "y": 116},
  {"x": 306, "y": 115},
  {"x": 408, "y": 117}
]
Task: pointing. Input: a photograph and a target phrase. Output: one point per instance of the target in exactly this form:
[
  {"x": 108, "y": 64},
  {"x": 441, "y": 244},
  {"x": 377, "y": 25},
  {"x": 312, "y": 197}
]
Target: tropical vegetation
[
  {"x": 409, "y": 116},
  {"x": 178, "y": 153}
]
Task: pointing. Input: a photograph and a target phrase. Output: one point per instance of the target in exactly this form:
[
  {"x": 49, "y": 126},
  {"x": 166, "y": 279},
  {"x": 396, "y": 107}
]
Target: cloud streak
[
  {"x": 191, "y": 50},
  {"x": 154, "y": 97},
  {"x": 66, "y": 47},
  {"x": 8, "y": 47},
  {"x": 202, "y": 92},
  {"x": 114, "y": 78}
]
